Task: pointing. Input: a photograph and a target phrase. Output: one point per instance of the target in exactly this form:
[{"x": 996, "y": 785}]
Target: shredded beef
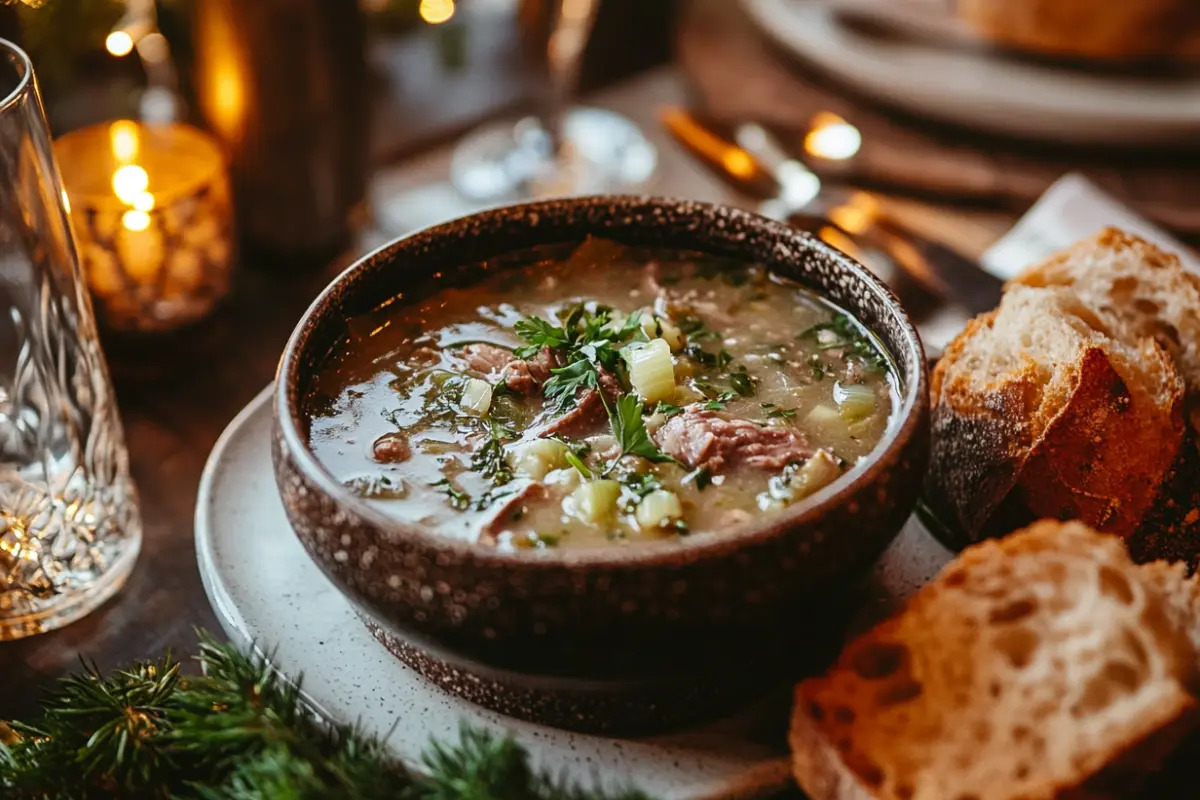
[
  {"x": 588, "y": 410},
  {"x": 710, "y": 439},
  {"x": 528, "y": 493}
]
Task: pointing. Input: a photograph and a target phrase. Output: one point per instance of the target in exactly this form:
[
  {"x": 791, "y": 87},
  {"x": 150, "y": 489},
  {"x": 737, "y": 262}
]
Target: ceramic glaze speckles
[{"x": 607, "y": 614}]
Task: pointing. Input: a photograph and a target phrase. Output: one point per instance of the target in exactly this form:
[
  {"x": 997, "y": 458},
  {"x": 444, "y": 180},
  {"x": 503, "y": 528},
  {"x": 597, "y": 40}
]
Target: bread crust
[{"x": 1102, "y": 460}]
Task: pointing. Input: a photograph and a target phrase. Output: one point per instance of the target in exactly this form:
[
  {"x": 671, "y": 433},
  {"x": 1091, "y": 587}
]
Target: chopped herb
[
  {"x": 629, "y": 430},
  {"x": 458, "y": 499},
  {"x": 695, "y": 329},
  {"x": 679, "y": 526},
  {"x": 497, "y": 493},
  {"x": 586, "y": 342},
  {"x": 819, "y": 369},
  {"x": 775, "y": 412},
  {"x": 700, "y": 355},
  {"x": 711, "y": 392},
  {"x": 742, "y": 383},
  {"x": 580, "y": 467},
  {"x": 668, "y": 410},
  {"x": 565, "y": 382},
  {"x": 702, "y": 477},
  {"x": 641, "y": 483},
  {"x": 724, "y": 359},
  {"x": 491, "y": 460},
  {"x": 714, "y": 405},
  {"x": 843, "y": 333},
  {"x": 703, "y": 336}
]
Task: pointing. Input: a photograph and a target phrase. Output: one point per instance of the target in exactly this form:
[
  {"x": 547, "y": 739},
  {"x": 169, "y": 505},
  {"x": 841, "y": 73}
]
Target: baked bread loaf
[
  {"x": 1090, "y": 29},
  {"x": 1042, "y": 408},
  {"x": 1030, "y": 422},
  {"x": 1042, "y": 665}
]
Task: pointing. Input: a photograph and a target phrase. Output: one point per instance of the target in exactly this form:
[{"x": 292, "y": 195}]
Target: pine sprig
[{"x": 239, "y": 732}]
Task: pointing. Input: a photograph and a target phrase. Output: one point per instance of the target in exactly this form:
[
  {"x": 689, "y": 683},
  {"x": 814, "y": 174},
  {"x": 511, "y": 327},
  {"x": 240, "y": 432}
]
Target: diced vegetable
[
  {"x": 685, "y": 395},
  {"x": 476, "y": 397},
  {"x": 854, "y": 401},
  {"x": 822, "y": 416},
  {"x": 651, "y": 372},
  {"x": 568, "y": 478},
  {"x": 658, "y": 509},
  {"x": 535, "y": 459},
  {"x": 819, "y": 471},
  {"x": 596, "y": 501},
  {"x": 659, "y": 328}
]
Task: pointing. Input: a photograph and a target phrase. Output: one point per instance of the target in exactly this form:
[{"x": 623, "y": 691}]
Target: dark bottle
[{"x": 284, "y": 84}]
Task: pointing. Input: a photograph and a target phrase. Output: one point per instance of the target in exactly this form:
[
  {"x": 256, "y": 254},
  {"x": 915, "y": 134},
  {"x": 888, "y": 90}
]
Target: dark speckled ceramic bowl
[{"x": 630, "y": 637}]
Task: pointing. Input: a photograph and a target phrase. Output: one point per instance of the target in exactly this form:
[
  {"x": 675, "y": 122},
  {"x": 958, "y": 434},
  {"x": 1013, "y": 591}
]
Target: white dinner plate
[
  {"x": 268, "y": 595},
  {"x": 985, "y": 91}
]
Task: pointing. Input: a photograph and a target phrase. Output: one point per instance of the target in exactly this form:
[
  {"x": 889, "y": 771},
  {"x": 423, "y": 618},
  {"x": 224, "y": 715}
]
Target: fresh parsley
[
  {"x": 641, "y": 483},
  {"x": 566, "y": 382},
  {"x": 580, "y": 467},
  {"x": 668, "y": 410},
  {"x": 742, "y": 383},
  {"x": 456, "y": 497},
  {"x": 843, "y": 333},
  {"x": 629, "y": 429},
  {"x": 491, "y": 460},
  {"x": 775, "y": 412},
  {"x": 714, "y": 405}
]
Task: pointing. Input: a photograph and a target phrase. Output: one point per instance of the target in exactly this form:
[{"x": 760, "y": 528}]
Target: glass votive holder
[{"x": 153, "y": 217}]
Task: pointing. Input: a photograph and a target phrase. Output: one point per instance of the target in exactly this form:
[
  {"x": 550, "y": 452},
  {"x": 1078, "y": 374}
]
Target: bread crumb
[{"x": 1192, "y": 516}]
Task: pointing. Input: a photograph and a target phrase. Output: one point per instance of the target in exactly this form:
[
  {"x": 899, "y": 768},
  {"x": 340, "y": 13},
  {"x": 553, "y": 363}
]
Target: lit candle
[{"x": 153, "y": 219}]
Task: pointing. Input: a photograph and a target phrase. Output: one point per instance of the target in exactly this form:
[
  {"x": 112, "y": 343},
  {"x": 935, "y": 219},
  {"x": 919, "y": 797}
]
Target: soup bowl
[{"x": 648, "y": 635}]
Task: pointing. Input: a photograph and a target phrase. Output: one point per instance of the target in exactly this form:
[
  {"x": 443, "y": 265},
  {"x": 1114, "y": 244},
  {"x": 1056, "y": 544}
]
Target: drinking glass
[
  {"x": 566, "y": 150},
  {"x": 69, "y": 524}
]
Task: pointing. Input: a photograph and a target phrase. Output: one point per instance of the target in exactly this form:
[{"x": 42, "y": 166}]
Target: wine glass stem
[{"x": 568, "y": 39}]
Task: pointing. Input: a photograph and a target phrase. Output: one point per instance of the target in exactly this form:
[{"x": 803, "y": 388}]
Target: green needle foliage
[{"x": 239, "y": 732}]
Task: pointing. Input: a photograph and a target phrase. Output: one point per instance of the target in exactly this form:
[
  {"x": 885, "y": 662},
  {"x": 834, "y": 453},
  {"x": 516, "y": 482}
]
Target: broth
[{"x": 606, "y": 397}]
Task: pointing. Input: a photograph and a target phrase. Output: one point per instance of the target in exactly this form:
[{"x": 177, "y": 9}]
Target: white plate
[
  {"x": 983, "y": 91},
  {"x": 268, "y": 595}
]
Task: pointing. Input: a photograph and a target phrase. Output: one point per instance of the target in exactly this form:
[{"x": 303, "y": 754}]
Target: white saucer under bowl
[
  {"x": 983, "y": 90},
  {"x": 269, "y": 595}
]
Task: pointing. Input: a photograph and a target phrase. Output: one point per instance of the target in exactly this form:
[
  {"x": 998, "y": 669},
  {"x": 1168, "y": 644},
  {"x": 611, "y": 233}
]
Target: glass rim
[{"x": 24, "y": 81}]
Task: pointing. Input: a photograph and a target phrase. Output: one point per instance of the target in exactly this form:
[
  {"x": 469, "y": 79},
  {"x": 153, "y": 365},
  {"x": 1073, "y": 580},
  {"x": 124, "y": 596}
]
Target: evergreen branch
[{"x": 240, "y": 732}]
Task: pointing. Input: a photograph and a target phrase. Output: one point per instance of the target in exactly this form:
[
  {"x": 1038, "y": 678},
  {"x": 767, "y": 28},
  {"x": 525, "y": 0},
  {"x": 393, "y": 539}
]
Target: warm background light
[
  {"x": 832, "y": 137},
  {"x": 129, "y": 182},
  {"x": 153, "y": 48},
  {"x": 135, "y": 220},
  {"x": 124, "y": 137},
  {"x": 119, "y": 43},
  {"x": 435, "y": 12}
]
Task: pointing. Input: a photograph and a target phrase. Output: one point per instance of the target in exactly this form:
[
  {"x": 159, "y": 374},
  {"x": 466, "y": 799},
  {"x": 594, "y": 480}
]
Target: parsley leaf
[
  {"x": 775, "y": 412},
  {"x": 629, "y": 430},
  {"x": 580, "y": 467},
  {"x": 491, "y": 460},
  {"x": 458, "y": 499},
  {"x": 538, "y": 333},
  {"x": 742, "y": 383},
  {"x": 565, "y": 383},
  {"x": 668, "y": 410},
  {"x": 714, "y": 405}
]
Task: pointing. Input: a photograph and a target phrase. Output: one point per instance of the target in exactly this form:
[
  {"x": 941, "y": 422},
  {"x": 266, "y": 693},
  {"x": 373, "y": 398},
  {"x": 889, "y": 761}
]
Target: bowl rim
[{"x": 907, "y": 418}]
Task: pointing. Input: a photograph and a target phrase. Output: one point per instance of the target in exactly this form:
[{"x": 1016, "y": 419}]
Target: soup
[{"x": 601, "y": 397}]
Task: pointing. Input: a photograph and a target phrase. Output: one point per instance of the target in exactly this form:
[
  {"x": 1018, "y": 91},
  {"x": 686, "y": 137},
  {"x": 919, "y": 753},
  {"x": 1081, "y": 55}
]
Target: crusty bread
[
  {"x": 1044, "y": 408},
  {"x": 1137, "y": 289},
  {"x": 1043, "y": 665},
  {"x": 1090, "y": 29}
]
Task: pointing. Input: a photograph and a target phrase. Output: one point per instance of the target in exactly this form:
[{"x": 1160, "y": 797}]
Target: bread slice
[
  {"x": 1045, "y": 409},
  {"x": 1138, "y": 290},
  {"x": 1043, "y": 665}
]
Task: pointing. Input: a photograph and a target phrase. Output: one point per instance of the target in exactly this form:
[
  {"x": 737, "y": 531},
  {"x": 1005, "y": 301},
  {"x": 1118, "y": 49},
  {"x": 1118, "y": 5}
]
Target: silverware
[{"x": 752, "y": 161}]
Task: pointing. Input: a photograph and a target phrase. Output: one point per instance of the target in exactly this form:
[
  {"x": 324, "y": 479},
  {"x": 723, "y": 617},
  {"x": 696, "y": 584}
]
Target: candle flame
[
  {"x": 125, "y": 141},
  {"x": 135, "y": 220},
  {"x": 129, "y": 182},
  {"x": 435, "y": 12},
  {"x": 119, "y": 43}
]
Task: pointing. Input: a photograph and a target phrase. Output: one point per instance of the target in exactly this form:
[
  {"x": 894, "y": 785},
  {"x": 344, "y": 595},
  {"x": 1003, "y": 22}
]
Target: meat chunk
[
  {"x": 391, "y": 448},
  {"x": 524, "y": 377},
  {"x": 589, "y": 408},
  {"x": 527, "y": 377},
  {"x": 529, "y": 493},
  {"x": 486, "y": 358},
  {"x": 715, "y": 441}
]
